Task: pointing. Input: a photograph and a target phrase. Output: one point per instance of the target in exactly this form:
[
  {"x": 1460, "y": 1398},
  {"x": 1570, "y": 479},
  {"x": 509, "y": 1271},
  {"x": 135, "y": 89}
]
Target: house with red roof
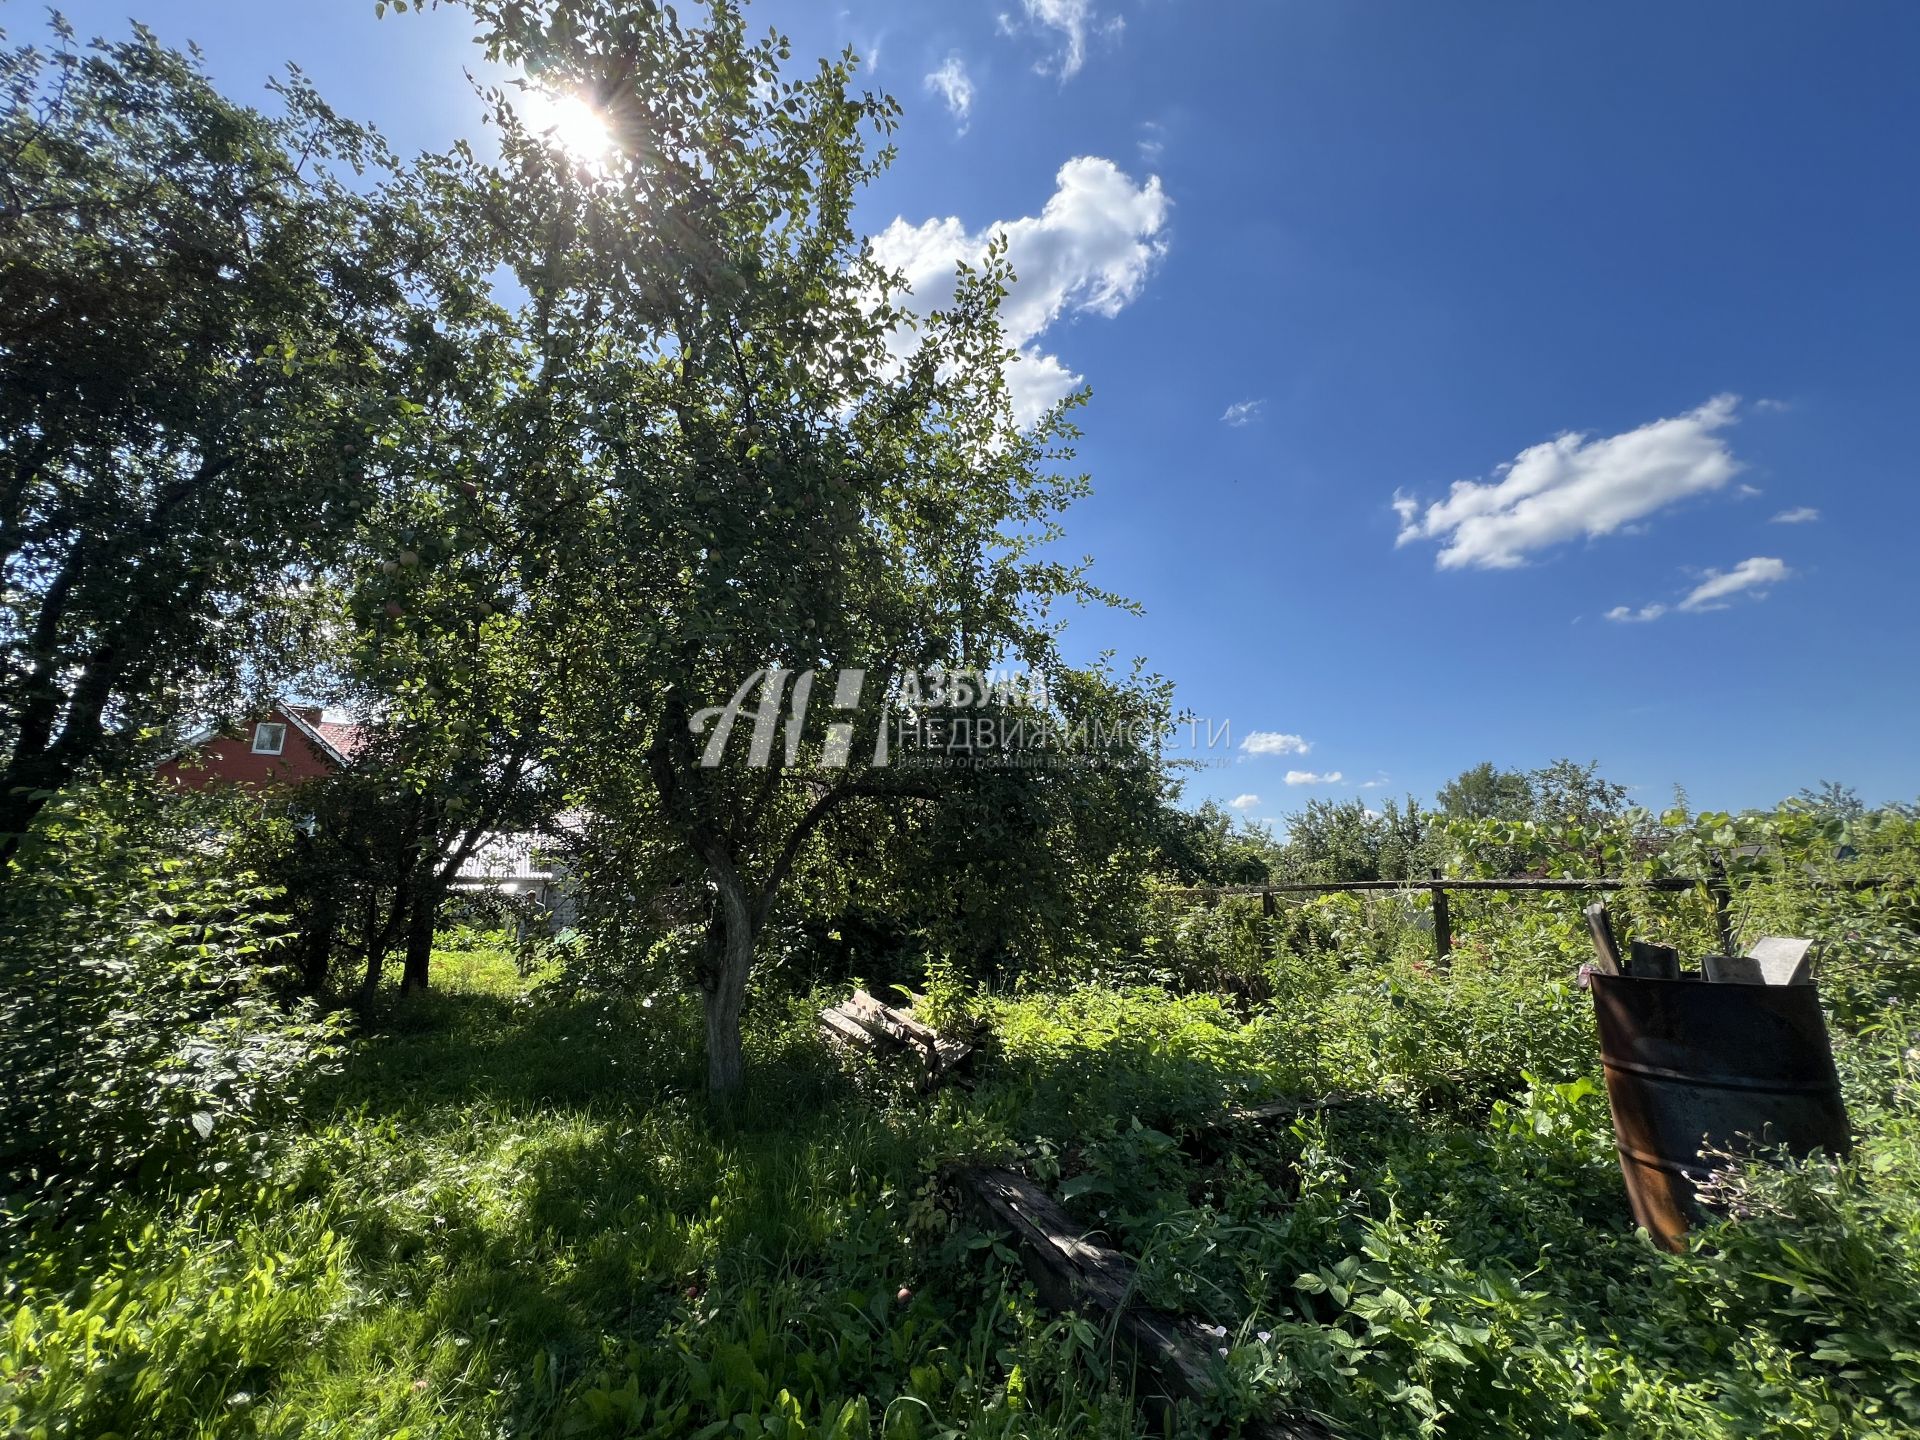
[
  {"x": 287, "y": 745},
  {"x": 276, "y": 750}
]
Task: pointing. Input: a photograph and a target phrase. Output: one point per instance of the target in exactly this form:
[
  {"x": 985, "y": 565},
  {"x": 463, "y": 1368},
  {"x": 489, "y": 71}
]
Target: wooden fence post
[
  {"x": 1268, "y": 910},
  {"x": 1442, "y": 921},
  {"x": 1720, "y": 891}
]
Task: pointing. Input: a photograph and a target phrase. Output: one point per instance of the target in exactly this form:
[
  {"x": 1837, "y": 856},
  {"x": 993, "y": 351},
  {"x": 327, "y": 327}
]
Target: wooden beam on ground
[
  {"x": 866, "y": 1024},
  {"x": 1268, "y": 1111},
  {"x": 841, "y": 1026},
  {"x": 906, "y": 1030},
  {"x": 1208, "y": 1137},
  {"x": 1175, "y": 1356}
]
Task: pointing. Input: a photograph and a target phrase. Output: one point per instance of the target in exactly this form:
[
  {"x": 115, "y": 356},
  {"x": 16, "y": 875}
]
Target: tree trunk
[
  {"x": 17, "y": 812},
  {"x": 379, "y": 938},
  {"x": 420, "y": 927},
  {"x": 370, "y": 982},
  {"x": 723, "y": 988},
  {"x": 316, "y": 946},
  {"x": 726, "y": 1066}
]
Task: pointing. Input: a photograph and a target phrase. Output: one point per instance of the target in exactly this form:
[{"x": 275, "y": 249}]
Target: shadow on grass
[
  {"x": 453, "y": 1047},
  {"x": 556, "y": 1231},
  {"x": 608, "y": 1241}
]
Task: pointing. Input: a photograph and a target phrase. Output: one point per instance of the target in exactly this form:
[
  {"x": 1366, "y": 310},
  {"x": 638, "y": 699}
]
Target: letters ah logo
[{"x": 773, "y": 691}]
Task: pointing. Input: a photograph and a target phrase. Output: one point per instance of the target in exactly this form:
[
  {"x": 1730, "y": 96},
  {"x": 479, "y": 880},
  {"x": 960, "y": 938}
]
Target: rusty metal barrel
[{"x": 1692, "y": 1065}]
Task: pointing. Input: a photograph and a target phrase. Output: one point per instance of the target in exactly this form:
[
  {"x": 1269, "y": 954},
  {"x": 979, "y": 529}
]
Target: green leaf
[{"x": 1088, "y": 1183}]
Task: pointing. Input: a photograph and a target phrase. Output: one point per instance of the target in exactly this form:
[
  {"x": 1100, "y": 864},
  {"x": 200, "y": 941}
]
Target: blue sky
[{"x": 1470, "y": 382}]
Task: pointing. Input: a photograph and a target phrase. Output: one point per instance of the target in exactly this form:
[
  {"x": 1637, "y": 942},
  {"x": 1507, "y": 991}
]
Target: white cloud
[
  {"x": 1755, "y": 574},
  {"x": 1375, "y": 784},
  {"x": 1071, "y": 21},
  {"x": 1799, "y": 515},
  {"x": 1309, "y": 777},
  {"x": 1715, "y": 591},
  {"x": 1243, "y": 412},
  {"x": 1626, "y": 614},
  {"x": 1244, "y": 802},
  {"x": 1574, "y": 485},
  {"x": 953, "y": 85},
  {"x": 1089, "y": 250},
  {"x": 1152, "y": 143},
  {"x": 1272, "y": 742}
]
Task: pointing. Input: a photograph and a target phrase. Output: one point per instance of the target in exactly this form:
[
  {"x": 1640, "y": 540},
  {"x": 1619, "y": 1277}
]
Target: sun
[{"x": 569, "y": 123}]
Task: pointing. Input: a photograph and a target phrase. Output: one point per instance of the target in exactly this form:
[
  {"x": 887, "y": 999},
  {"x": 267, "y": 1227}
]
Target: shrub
[{"x": 142, "y": 1030}]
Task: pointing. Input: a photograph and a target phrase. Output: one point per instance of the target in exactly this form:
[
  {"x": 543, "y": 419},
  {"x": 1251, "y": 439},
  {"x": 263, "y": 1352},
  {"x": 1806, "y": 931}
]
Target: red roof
[
  {"x": 342, "y": 735},
  {"x": 310, "y": 747}
]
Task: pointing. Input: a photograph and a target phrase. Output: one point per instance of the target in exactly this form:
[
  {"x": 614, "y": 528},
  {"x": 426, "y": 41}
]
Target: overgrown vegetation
[
  {"x": 146, "y": 1035},
  {"x": 513, "y": 1210}
]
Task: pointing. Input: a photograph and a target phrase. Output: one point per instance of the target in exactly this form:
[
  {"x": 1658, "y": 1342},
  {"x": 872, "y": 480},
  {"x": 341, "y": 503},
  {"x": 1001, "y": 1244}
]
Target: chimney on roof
[{"x": 312, "y": 714}]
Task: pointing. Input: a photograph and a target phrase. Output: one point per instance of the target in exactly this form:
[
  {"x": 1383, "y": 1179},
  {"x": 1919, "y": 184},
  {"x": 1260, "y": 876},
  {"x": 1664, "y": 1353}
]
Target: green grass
[
  {"x": 523, "y": 1219},
  {"x": 513, "y": 1214}
]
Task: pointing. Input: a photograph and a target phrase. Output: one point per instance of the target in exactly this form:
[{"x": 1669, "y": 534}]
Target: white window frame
[{"x": 260, "y": 732}]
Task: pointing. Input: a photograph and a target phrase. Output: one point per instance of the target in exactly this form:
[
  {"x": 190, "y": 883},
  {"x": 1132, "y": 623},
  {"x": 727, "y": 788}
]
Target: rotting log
[{"x": 1174, "y": 1357}]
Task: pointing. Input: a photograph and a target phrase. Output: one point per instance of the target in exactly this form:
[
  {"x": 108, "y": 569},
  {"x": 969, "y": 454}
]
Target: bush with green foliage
[{"x": 141, "y": 1019}]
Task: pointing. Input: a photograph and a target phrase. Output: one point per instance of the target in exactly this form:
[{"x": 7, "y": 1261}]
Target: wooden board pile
[
  {"x": 1773, "y": 960},
  {"x": 863, "y": 1023}
]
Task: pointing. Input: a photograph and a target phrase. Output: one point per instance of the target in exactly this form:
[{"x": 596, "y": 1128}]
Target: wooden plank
[
  {"x": 1784, "y": 959},
  {"x": 949, "y": 1053},
  {"x": 1208, "y": 1138},
  {"x": 1732, "y": 970},
  {"x": 1647, "y": 961},
  {"x": 865, "y": 1022},
  {"x": 1072, "y": 1273},
  {"x": 1269, "y": 1111},
  {"x": 907, "y": 1031},
  {"x": 1606, "y": 949},
  {"x": 1776, "y": 960},
  {"x": 939, "y": 1053},
  {"x": 842, "y": 1026}
]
